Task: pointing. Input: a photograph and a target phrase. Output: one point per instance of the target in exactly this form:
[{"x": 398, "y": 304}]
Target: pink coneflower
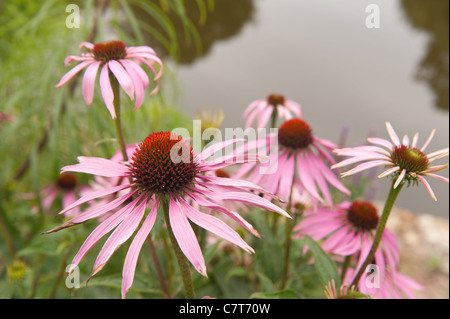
[
  {"x": 348, "y": 229},
  {"x": 158, "y": 174},
  {"x": 67, "y": 186},
  {"x": 404, "y": 161},
  {"x": 263, "y": 110},
  {"x": 120, "y": 61},
  {"x": 298, "y": 157}
]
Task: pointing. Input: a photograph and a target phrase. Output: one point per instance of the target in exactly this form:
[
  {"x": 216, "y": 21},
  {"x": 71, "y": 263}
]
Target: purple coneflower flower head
[
  {"x": 404, "y": 161},
  {"x": 262, "y": 110},
  {"x": 348, "y": 229},
  {"x": 114, "y": 58},
  {"x": 165, "y": 168},
  {"x": 299, "y": 159}
]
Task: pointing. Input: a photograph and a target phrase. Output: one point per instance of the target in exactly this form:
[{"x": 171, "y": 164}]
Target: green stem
[
  {"x": 288, "y": 240},
  {"x": 183, "y": 263},
  {"x": 392, "y": 196},
  {"x": 287, "y": 253},
  {"x": 118, "y": 120}
]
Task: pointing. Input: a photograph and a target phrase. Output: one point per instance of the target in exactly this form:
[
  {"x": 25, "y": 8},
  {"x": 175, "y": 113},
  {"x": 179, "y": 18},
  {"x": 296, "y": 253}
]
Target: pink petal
[
  {"x": 287, "y": 177},
  {"x": 87, "y": 45},
  {"x": 99, "y": 210},
  {"x": 304, "y": 173},
  {"x": 381, "y": 142},
  {"x": 392, "y": 134},
  {"x": 120, "y": 235},
  {"x": 400, "y": 178},
  {"x": 427, "y": 186},
  {"x": 94, "y": 195},
  {"x": 214, "y": 148},
  {"x": 252, "y": 199},
  {"x": 51, "y": 192},
  {"x": 89, "y": 82},
  {"x": 330, "y": 177},
  {"x": 428, "y": 140},
  {"x": 214, "y": 225},
  {"x": 389, "y": 171},
  {"x": 100, "y": 231},
  {"x": 205, "y": 203},
  {"x": 293, "y": 107},
  {"x": 140, "y": 49},
  {"x": 137, "y": 83},
  {"x": 129, "y": 266},
  {"x": 122, "y": 77},
  {"x": 107, "y": 92},
  {"x": 365, "y": 166},
  {"x": 98, "y": 166},
  {"x": 185, "y": 237},
  {"x": 73, "y": 72},
  {"x": 265, "y": 115}
]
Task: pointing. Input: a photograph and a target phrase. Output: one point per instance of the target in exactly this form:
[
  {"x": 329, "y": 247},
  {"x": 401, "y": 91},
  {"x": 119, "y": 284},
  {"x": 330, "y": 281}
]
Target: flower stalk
[{"x": 392, "y": 196}]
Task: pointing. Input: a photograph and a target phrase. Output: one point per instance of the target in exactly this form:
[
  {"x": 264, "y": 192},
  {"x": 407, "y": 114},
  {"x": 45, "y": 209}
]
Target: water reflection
[
  {"x": 433, "y": 18},
  {"x": 223, "y": 21}
]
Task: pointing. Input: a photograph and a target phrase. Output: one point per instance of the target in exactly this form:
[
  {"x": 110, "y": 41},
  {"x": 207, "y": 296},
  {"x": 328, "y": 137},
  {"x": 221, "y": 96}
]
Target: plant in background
[{"x": 276, "y": 105}]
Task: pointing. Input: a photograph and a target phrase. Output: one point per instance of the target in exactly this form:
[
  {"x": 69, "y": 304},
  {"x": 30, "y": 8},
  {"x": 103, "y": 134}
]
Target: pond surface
[{"x": 322, "y": 55}]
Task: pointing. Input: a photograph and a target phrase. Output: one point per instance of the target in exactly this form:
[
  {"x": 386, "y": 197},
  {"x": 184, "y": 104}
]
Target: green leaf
[
  {"x": 283, "y": 294},
  {"x": 325, "y": 267}
]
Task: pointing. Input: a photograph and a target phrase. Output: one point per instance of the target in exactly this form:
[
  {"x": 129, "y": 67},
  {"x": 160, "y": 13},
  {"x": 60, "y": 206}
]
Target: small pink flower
[
  {"x": 296, "y": 157},
  {"x": 404, "y": 161},
  {"x": 116, "y": 59},
  {"x": 348, "y": 229},
  {"x": 262, "y": 110},
  {"x": 67, "y": 185},
  {"x": 158, "y": 172}
]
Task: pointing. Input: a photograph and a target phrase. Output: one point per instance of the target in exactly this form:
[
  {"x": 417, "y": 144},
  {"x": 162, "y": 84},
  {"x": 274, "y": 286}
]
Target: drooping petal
[
  {"x": 304, "y": 173},
  {"x": 100, "y": 231},
  {"x": 89, "y": 82},
  {"x": 107, "y": 91},
  {"x": 238, "y": 218},
  {"x": 185, "y": 237},
  {"x": 129, "y": 265},
  {"x": 94, "y": 195},
  {"x": 427, "y": 186},
  {"x": 214, "y": 225},
  {"x": 73, "y": 72},
  {"x": 251, "y": 199},
  {"x": 122, "y": 77},
  {"x": 120, "y": 235},
  {"x": 137, "y": 83}
]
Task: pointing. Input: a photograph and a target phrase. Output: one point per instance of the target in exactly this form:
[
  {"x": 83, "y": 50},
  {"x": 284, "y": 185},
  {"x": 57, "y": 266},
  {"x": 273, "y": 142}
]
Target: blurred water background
[{"x": 322, "y": 55}]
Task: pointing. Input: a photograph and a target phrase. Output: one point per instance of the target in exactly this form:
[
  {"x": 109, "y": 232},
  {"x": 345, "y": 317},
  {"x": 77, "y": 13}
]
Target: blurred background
[{"x": 322, "y": 55}]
